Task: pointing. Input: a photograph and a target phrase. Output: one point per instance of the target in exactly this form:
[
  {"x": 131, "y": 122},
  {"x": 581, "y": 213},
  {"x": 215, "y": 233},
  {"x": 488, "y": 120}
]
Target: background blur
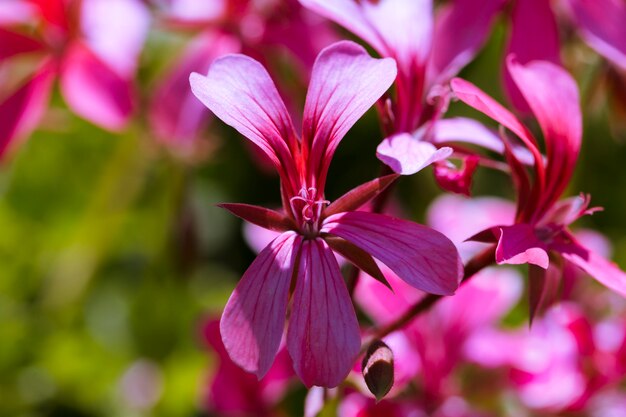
[{"x": 113, "y": 253}]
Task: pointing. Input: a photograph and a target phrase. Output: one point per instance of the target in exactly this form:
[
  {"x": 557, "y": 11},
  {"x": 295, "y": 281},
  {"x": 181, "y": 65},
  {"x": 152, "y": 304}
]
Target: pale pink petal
[
  {"x": 460, "y": 218},
  {"x": 553, "y": 96},
  {"x": 175, "y": 114},
  {"x": 253, "y": 319},
  {"x": 323, "y": 337},
  {"x": 15, "y": 43},
  {"x": 461, "y": 28},
  {"x": 238, "y": 90},
  {"x": 345, "y": 82},
  {"x": 115, "y": 30},
  {"x": 258, "y": 237},
  {"x": 603, "y": 270},
  {"x": 463, "y": 129},
  {"x": 518, "y": 244},
  {"x": 94, "y": 91},
  {"x": 421, "y": 256},
  {"x": 601, "y": 23},
  {"x": 401, "y": 29},
  {"x": 534, "y": 36},
  {"x": 478, "y": 99},
  {"x": 22, "y": 110},
  {"x": 194, "y": 10},
  {"x": 406, "y": 154},
  {"x": 17, "y": 12}
]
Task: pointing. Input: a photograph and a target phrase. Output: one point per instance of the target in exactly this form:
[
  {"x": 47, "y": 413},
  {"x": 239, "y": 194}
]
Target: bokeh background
[{"x": 113, "y": 253}]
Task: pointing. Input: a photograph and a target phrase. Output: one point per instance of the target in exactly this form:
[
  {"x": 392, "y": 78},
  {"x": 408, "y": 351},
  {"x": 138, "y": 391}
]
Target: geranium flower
[
  {"x": 429, "y": 50},
  {"x": 323, "y": 339},
  {"x": 78, "y": 42},
  {"x": 541, "y": 235}
]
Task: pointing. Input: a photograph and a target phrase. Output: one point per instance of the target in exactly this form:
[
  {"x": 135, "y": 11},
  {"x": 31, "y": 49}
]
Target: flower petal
[
  {"x": 401, "y": 29},
  {"x": 241, "y": 93},
  {"x": 460, "y": 30},
  {"x": 22, "y": 110},
  {"x": 463, "y": 129},
  {"x": 176, "y": 116},
  {"x": 601, "y": 23},
  {"x": 603, "y": 270},
  {"x": 407, "y": 155},
  {"x": 553, "y": 96},
  {"x": 252, "y": 323},
  {"x": 534, "y": 36},
  {"x": 421, "y": 256},
  {"x": 359, "y": 196},
  {"x": 456, "y": 179},
  {"x": 518, "y": 244},
  {"x": 107, "y": 24},
  {"x": 94, "y": 91},
  {"x": 323, "y": 337},
  {"x": 345, "y": 82},
  {"x": 261, "y": 216},
  {"x": 14, "y": 43}
]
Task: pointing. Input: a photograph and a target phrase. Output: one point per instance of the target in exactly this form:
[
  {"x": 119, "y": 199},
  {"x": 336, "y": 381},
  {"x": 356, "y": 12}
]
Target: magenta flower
[
  {"x": 78, "y": 42},
  {"x": 323, "y": 337},
  {"x": 429, "y": 51},
  {"x": 541, "y": 230}
]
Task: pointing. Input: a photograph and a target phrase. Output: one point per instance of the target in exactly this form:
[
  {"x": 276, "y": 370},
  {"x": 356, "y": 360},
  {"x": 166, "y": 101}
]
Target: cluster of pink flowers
[{"x": 435, "y": 295}]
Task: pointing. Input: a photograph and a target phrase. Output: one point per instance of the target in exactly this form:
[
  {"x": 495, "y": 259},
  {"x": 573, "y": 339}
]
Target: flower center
[{"x": 307, "y": 209}]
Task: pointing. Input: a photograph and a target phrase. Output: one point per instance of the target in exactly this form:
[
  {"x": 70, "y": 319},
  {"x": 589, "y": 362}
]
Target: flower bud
[{"x": 377, "y": 368}]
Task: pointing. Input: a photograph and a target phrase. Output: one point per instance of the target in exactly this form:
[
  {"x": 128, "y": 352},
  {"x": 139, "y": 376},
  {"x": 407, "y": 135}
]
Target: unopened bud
[{"x": 377, "y": 369}]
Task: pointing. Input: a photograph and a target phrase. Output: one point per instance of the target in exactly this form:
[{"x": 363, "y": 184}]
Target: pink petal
[
  {"x": 115, "y": 30},
  {"x": 422, "y": 257},
  {"x": 461, "y": 28},
  {"x": 601, "y": 23},
  {"x": 552, "y": 95},
  {"x": 345, "y": 82},
  {"x": 17, "y": 12},
  {"x": 258, "y": 237},
  {"x": 175, "y": 114},
  {"x": 534, "y": 36},
  {"x": 252, "y": 323},
  {"x": 261, "y": 216},
  {"x": 603, "y": 270},
  {"x": 14, "y": 43},
  {"x": 94, "y": 91},
  {"x": 518, "y": 244},
  {"x": 323, "y": 337},
  {"x": 465, "y": 130},
  {"x": 456, "y": 179},
  {"x": 401, "y": 29},
  {"x": 22, "y": 110},
  {"x": 241, "y": 93},
  {"x": 407, "y": 155}
]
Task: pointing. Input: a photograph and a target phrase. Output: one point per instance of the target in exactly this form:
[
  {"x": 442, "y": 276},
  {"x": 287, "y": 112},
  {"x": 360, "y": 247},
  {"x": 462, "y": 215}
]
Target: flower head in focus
[
  {"x": 541, "y": 235},
  {"x": 323, "y": 337}
]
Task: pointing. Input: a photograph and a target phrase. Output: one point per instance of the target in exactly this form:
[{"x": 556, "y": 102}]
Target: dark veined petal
[
  {"x": 419, "y": 255},
  {"x": 323, "y": 337},
  {"x": 254, "y": 317},
  {"x": 345, "y": 82}
]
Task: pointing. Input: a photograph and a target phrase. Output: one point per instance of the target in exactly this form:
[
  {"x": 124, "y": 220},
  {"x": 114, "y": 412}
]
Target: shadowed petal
[
  {"x": 22, "y": 110},
  {"x": 421, "y": 256},
  {"x": 407, "y": 155},
  {"x": 534, "y": 36},
  {"x": 603, "y": 270},
  {"x": 345, "y": 82},
  {"x": 241, "y": 93},
  {"x": 175, "y": 114},
  {"x": 14, "y": 43},
  {"x": 460, "y": 30},
  {"x": 323, "y": 337},
  {"x": 552, "y": 95},
  {"x": 518, "y": 244},
  {"x": 602, "y": 26},
  {"x": 94, "y": 91},
  {"x": 252, "y": 323},
  {"x": 463, "y": 129}
]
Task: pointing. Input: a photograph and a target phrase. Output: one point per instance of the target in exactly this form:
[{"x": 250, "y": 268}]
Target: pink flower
[
  {"x": 78, "y": 42},
  {"x": 541, "y": 228},
  {"x": 323, "y": 337},
  {"x": 429, "y": 52}
]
